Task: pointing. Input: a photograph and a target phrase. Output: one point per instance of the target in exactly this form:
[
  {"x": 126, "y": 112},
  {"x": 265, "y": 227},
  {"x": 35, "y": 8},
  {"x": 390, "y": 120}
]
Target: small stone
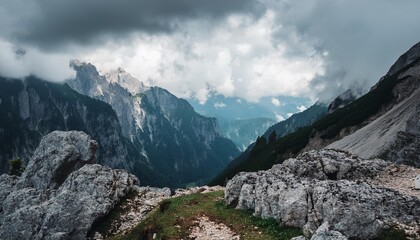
[{"x": 417, "y": 182}]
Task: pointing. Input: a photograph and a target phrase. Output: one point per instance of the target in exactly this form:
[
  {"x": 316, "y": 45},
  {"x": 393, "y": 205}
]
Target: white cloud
[
  {"x": 29, "y": 61},
  {"x": 275, "y": 102},
  {"x": 219, "y": 105},
  {"x": 289, "y": 114},
  {"x": 301, "y": 108},
  {"x": 306, "y": 48},
  {"x": 237, "y": 59},
  {"x": 279, "y": 118}
]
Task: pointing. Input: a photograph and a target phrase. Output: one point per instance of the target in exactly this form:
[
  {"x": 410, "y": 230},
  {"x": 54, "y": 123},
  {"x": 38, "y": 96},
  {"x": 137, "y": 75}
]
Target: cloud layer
[
  {"x": 51, "y": 23},
  {"x": 196, "y": 48}
]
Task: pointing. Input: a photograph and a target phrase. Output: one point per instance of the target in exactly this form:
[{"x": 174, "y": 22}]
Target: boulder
[
  {"x": 60, "y": 194},
  {"x": 59, "y": 154},
  {"x": 324, "y": 186},
  {"x": 324, "y": 233}
]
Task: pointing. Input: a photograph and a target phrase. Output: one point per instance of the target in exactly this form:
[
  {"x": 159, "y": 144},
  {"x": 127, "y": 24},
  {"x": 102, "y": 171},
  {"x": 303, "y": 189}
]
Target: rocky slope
[
  {"x": 178, "y": 144},
  {"x": 395, "y": 134},
  {"x": 32, "y": 108},
  {"x": 326, "y": 186},
  {"x": 61, "y": 192}
]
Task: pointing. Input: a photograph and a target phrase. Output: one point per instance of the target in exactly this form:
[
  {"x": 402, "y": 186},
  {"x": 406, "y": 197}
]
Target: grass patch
[{"x": 176, "y": 216}]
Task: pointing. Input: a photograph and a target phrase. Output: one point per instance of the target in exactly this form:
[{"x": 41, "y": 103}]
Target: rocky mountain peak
[
  {"x": 127, "y": 81},
  {"x": 404, "y": 60},
  {"x": 342, "y": 100}
]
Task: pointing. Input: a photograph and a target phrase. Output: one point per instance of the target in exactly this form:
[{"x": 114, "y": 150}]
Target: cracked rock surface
[
  {"x": 325, "y": 186},
  {"x": 61, "y": 193}
]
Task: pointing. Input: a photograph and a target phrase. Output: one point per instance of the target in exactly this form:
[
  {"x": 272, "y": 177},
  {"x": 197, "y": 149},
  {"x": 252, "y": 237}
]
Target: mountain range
[{"x": 145, "y": 130}]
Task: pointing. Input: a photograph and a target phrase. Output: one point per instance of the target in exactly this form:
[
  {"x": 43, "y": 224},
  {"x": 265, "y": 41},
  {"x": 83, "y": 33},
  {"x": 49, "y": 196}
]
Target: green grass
[{"x": 174, "y": 218}]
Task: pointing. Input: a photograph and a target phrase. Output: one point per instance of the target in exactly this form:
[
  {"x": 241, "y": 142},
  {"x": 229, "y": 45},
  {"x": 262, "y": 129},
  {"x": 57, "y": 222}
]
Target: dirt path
[{"x": 209, "y": 230}]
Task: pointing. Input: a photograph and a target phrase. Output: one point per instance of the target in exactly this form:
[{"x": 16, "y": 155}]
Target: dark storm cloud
[
  {"x": 362, "y": 38},
  {"x": 48, "y": 23}
]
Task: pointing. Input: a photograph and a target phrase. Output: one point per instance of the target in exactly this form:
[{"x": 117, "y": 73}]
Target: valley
[{"x": 209, "y": 120}]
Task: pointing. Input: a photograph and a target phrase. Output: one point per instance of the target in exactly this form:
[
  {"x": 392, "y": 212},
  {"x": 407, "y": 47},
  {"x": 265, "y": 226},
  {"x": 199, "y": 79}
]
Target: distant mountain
[
  {"x": 242, "y": 121},
  {"x": 178, "y": 143},
  {"x": 382, "y": 123},
  {"x": 234, "y": 108},
  {"x": 243, "y": 132},
  {"x": 280, "y": 129},
  {"x": 298, "y": 120}
]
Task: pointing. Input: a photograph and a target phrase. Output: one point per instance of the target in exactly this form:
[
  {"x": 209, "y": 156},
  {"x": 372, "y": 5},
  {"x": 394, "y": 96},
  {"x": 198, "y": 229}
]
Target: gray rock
[
  {"x": 58, "y": 155},
  {"x": 299, "y": 238},
  {"x": 321, "y": 186},
  {"x": 417, "y": 182},
  {"x": 324, "y": 233},
  {"x": 60, "y": 195}
]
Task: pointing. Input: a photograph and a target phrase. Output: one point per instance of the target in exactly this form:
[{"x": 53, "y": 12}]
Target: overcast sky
[{"x": 194, "y": 48}]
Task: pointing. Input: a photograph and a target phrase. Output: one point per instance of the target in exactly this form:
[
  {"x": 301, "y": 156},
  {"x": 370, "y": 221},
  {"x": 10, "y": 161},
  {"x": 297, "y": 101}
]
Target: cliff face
[
  {"x": 175, "y": 141},
  {"x": 32, "y": 108}
]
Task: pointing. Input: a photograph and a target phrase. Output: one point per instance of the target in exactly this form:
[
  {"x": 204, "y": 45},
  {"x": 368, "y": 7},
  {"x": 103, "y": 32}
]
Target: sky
[{"x": 250, "y": 49}]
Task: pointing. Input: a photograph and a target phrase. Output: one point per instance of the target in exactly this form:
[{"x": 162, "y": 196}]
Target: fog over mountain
[{"x": 247, "y": 49}]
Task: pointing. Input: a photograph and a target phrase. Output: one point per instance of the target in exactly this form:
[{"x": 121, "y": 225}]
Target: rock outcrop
[
  {"x": 325, "y": 186},
  {"x": 61, "y": 193}
]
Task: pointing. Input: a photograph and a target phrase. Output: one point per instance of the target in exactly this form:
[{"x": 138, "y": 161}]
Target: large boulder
[
  {"x": 60, "y": 194},
  {"x": 58, "y": 155},
  {"x": 324, "y": 186}
]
